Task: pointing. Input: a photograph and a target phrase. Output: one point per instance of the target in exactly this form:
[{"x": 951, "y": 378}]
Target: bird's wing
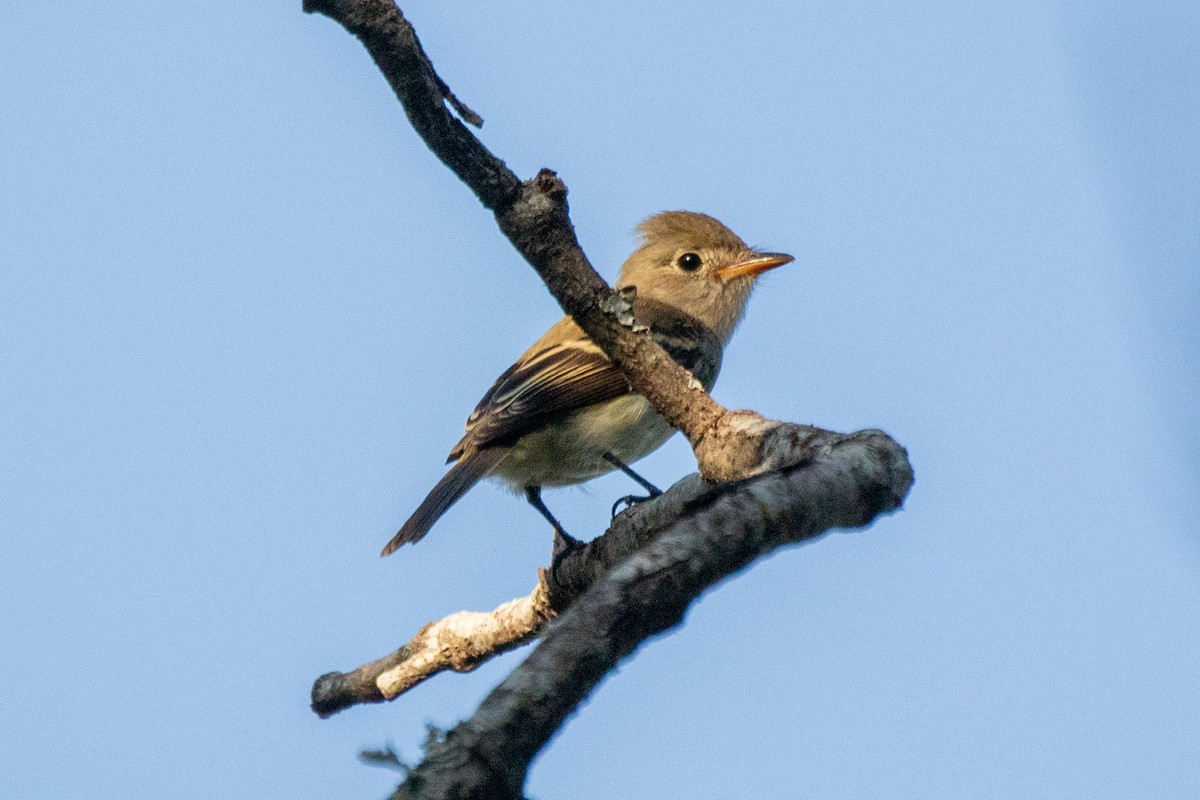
[
  {"x": 547, "y": 383},
  {"x": 556, "y": 379}
]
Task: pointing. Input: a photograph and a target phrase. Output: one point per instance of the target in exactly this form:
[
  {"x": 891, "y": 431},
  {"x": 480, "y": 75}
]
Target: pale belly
[{"x": 571, "y": 451}]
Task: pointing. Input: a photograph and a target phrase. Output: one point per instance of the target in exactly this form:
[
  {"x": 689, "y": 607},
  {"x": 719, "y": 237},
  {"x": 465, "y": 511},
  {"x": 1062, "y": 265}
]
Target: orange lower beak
[{"x": 754, "y": 266}]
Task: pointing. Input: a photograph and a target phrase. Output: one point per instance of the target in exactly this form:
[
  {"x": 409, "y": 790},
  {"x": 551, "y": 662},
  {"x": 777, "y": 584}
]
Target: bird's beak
[{"x": 754, "y": 266}]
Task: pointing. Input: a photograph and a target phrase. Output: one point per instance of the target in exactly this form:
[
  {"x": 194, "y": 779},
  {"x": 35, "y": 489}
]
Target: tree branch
[
  {"x": 459, "y": 642},
  {"x": 462, "y": 641},
  {"x": 393, "y": 43},
  {"x": 841, "y": 481},
  {"x": 534, "y": 217}
]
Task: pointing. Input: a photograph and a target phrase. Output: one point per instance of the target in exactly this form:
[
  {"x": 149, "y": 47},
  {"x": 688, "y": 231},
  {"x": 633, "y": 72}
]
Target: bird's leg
[
  {"x": 562, "y": 540},
  {"x": 621, "y": 465},
  {"x": 630, "y": 499}
]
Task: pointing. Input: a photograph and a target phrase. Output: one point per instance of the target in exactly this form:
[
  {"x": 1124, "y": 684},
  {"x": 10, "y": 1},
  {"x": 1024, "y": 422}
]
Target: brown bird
[{"x": 563, "y": 414}]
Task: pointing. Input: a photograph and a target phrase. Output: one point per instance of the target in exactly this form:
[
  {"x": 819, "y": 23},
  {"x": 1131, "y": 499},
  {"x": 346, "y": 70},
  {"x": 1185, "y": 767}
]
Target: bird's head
[{"x": 693, "y": 262}]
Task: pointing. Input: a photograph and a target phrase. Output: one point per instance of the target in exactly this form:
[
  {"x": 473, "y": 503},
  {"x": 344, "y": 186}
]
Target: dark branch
[
  {"x": 463, "y": 641},
  {"x": 533, "y": 215},
  {"x": 392, "y": 42},
  {"x": 844, "y": 481}
]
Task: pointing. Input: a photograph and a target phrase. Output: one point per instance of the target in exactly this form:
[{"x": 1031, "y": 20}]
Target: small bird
[{"x": 563, "y": 414}]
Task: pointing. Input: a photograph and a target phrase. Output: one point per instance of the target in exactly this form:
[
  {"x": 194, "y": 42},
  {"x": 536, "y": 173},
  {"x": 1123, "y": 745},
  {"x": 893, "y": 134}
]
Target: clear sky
[{"x": 244, "y": 313}]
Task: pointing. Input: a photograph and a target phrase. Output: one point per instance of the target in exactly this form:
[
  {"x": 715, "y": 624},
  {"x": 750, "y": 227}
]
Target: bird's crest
[{"x": 688, "y": 228}]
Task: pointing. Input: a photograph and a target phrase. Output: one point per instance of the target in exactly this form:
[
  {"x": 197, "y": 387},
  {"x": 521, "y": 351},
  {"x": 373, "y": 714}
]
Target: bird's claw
[{"x": 631, "y": 500}]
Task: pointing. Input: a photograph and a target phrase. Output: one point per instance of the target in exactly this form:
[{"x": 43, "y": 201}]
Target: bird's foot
[{"x": 631, "y": 500}]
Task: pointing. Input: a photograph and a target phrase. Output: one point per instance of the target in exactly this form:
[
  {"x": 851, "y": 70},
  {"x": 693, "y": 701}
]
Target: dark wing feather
[
  {"x": 570, "y": 376},
  {"x": 555, "y": 381}
]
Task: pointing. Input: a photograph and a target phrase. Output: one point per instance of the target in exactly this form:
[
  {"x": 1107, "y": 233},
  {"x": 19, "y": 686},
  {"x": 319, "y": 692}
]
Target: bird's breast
[{"x": 572, "y": 450}]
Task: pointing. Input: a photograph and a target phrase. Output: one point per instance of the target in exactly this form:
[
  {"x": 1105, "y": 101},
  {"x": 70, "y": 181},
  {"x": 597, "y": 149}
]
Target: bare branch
[
  {"x": 463, "y": 641},
  {"x": 459, "y": 642},
  {"x": 533, "y": 215},
  {"x": 840, "y": 482},
  {"x": 393, "y": 43}
]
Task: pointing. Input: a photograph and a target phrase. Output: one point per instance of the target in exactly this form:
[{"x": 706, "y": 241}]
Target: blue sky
[{"x": 244, "y": 313}]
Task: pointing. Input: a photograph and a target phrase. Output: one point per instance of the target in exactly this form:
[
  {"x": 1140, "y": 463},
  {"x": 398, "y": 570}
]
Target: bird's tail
[{"x": 461, "y": 477}]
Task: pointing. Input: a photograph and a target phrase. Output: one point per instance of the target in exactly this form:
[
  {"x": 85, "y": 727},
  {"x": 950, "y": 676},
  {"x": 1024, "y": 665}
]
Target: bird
[{"x": 563, "y": 414}]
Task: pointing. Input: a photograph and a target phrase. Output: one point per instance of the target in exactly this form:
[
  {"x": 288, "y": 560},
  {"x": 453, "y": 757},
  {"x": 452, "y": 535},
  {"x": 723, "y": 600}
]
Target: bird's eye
[{"x": 689, "y": 262}]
